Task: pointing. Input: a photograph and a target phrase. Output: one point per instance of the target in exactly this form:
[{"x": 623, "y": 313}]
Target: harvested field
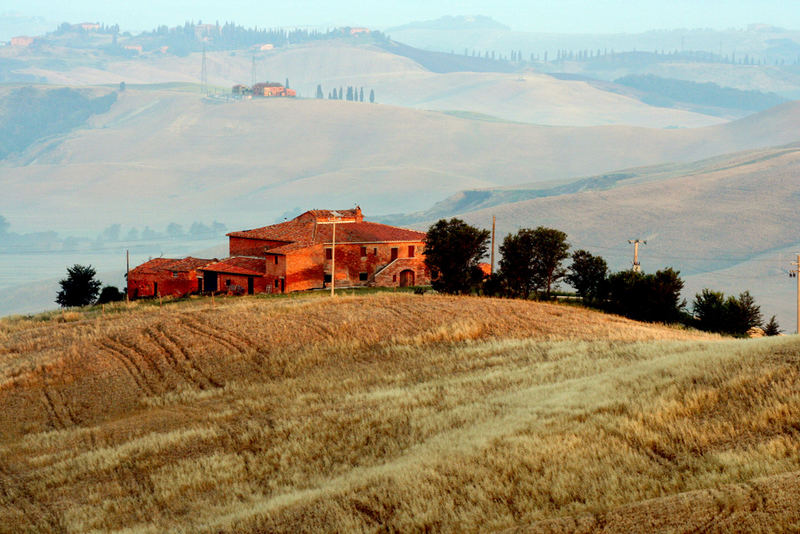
[{"x": 390, "y": 411}]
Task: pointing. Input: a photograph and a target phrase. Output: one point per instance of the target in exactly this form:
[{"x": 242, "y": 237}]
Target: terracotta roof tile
[
  {"x": 157, "y": 265},
  {"x": 302, "y": 233},
  {"x": 238, "y": 265}
]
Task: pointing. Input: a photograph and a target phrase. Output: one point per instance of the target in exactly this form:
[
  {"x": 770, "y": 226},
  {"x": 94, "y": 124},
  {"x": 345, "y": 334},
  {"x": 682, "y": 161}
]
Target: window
[
  {"x": 411, "y": 251},
  {"x": 174, "y": 274},
  {"x": 277, "y": 282},
  {"x": 394, "y": 278},
  {"x": 394, "y": 254},
  {"x": 363, "y": 252},
  {"x": 375, "y": 251},
  {"x": 328, "y": 253},
  {"x": 362, "y": 277},
  {"x": 228, "y": 282},
  {"x": 276, "y": 263},
  {"x": 327, "y": 278}
]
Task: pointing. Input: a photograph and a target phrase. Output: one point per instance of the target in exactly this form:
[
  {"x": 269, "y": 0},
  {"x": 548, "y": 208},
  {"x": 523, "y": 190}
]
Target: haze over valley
[{"x": 471, "y": 118}]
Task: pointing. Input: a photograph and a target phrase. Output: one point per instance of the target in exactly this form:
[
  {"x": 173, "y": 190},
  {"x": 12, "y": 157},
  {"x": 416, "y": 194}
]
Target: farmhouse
[
  {"x": 296, "y": 255},
  {"x": 165, "y": 276}
]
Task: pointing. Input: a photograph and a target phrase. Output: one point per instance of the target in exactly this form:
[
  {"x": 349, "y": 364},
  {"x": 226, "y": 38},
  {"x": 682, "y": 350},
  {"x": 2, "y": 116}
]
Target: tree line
[
  {"x": 354, "y": 94},
  {"x": 535, "y": 260}
]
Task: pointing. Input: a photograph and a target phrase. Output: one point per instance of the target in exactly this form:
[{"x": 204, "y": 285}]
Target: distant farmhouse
[
  {"x": 269, "y": 89},
  {"x": 295, "y": 255}
]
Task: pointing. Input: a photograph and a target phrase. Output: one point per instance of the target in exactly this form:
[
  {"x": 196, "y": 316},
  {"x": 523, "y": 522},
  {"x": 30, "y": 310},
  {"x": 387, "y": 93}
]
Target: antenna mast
[{"x": 637, "y": 268}]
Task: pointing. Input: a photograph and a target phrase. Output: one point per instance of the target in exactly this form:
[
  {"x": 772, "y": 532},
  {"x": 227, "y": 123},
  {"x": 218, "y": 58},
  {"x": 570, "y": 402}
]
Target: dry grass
[{"x": 386, "y": 412}]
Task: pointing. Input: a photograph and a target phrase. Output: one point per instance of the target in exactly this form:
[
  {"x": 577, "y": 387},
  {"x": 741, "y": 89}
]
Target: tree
[
  {"x": 709, "y": 310},
  {"x": 287, "y": 83},
  {"x": 772, "y": 328},
  {"x": 174, "y": 230},
  {"x": 79, "y": 288},
  {"x": 517, "y": 263},
  {"x": 452, "y": 252},
  {"x": 361, "y": 95},
  {"x": 110, "y": 294},
  {"x": 372, "y": 96},
  {"x": 320, "y": 94},
  {"x": 646, "y": 297},
  {"x": 735, "y": 316},
  {"x": 550, "y": 251},
  {"x": 742, "y": 314},
  {"x": 587, "y": 275}
]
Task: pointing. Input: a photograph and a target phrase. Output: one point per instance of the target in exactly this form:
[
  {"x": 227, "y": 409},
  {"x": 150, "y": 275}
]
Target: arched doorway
[{"x": 406, "y": 278}]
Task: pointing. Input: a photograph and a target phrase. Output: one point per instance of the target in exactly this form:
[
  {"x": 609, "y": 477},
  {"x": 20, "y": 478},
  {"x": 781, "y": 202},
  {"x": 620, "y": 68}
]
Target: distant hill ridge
[{"x": 459, "y": 22}]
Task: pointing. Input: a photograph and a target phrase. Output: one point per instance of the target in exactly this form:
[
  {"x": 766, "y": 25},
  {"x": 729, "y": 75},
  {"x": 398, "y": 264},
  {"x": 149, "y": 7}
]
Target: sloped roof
[
  {"x": 157, "y": 265},
  {"x": 238, "y": 265},
  {"x": 305, "y": 231}
]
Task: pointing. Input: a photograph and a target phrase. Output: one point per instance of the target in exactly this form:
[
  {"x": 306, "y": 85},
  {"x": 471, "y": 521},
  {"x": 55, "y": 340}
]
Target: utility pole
[
  {"x": 336, "y": 219},
  {"x": 794, "y": 274},
  {"x": 637, "y": 268},
  {"x": 491, "y": 271},
  {"x": 127, "y": 273}
]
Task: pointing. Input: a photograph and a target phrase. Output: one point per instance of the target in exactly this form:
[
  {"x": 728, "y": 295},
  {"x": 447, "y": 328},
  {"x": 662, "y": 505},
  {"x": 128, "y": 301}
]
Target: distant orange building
[
  {"x": 22, "y": 41},
  {"x": 272, "y": 89},
  {"x": 296, "y": 255}
]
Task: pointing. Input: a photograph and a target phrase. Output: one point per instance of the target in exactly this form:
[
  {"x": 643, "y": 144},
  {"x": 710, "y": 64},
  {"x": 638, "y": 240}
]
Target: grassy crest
[{"x": 411, "y": 413}]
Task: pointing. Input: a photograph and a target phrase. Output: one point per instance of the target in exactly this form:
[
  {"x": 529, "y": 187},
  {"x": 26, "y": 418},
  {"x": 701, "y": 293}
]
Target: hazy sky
[{"x": 563, "y": 16}]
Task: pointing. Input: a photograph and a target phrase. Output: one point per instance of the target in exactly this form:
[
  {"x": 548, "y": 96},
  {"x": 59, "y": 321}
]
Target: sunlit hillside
[{"x": 391, "y": 411}]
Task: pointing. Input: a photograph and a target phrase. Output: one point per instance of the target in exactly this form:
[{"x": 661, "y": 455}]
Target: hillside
[
  {"x": 390, "y": 411},
  {"x": 174, "y": 155},
  {"x": 726, "y": 223},
  {"x": 399, "y": 75}
]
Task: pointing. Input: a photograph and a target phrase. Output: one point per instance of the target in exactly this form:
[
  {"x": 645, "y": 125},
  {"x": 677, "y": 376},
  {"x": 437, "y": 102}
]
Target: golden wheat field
[{"x": 391, "y": 412}]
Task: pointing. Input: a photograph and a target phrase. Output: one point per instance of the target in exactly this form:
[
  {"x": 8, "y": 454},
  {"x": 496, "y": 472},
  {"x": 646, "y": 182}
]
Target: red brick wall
[
  {"x": 350, "y": 262},
  {"x": 240, "y": 280},
  {"x": 240, "y": 246},
  {"x": 142, "y": 285},
  {"x": 304, "y": 269}
]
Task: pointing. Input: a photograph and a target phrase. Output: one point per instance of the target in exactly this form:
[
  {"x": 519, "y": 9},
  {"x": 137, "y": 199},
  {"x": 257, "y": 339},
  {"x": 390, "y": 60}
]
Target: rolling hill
[
  {"x": 727, "y": 223},
  {"x": 393, "y": 411},
  {"x": 165, "y": 155},
  {"x": 496, "y": 90}
]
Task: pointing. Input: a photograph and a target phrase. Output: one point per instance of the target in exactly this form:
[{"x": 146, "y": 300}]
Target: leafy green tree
[
  {"x": 732, "y": 315},
  {"x": 709, "y": 310},
  {"x": 361, "y": 95},
  {"x": 372, "y": 96},
  {"x": 110, "y": 294},
  {"x": 550, "y": 250},
  {"x": 772, "y": 328},
  {"x": 79, "y": 288},
  {"x": 517, "y": 263},
  {"x": 742, "y": 314},
  {"x": 453, "y": 250},
  {"x": 646, "y": 297},
  {"x": 587, "y": 274},
  {"x": 320, "y": 94}
]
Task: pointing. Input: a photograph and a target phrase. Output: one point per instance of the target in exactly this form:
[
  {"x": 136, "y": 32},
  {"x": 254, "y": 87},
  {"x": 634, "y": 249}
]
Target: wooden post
[
  {"x": 798, "y": 294},
  {"x": 333, "y": 261},
  {"x": 491, "y": 270},
  {"x": 127, "y": 274}
]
